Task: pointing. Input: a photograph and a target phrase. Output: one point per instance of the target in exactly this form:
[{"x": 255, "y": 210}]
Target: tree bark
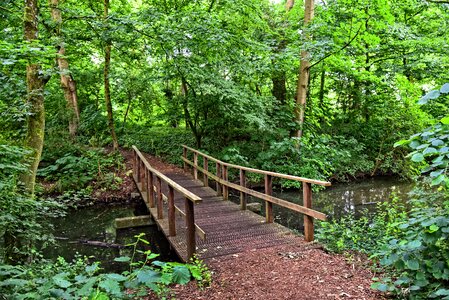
[
  {"x": 304, "y": 72},
  {"x": 35, "y": 99},
  {"x": 107, "y": 92},
  {"x": 67, "y": 83}
]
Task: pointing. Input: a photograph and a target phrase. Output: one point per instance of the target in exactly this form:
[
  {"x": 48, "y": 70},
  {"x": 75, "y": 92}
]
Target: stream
[{"x": 97, "y": 223}]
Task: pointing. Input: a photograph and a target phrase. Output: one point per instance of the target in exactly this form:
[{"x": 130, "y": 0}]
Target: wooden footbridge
[{"x": 196, "y": 218}]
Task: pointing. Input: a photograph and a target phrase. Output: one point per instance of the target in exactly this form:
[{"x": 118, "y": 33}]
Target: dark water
[
  {"x": 340, "y": 199},
  {"x": 81, "y": 229}
]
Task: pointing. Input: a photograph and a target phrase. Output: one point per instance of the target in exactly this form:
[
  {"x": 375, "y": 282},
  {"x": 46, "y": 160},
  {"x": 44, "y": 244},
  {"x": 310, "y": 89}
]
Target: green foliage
[
  {"x": 417, "y": 260},
  {"x": 82, "y": 166},
  {"x": 82, "y": 280},
  {"x": 365, "y": 234},
  {"x": 319, "y": 157},
  {"x": 430, "y": 148},
  {"x": 23, "y": 220},
  {"x": 160, "y": 141}
]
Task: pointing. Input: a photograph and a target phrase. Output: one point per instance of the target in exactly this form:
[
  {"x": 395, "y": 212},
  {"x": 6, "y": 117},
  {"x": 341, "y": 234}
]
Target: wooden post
[
  {"x": 268, "y": 205},
  {"x": 242, "y": 194},
  {"x": 206, "y": 169},
  {"x": 160, "y": 213},
  {"x": 144, "y": 178},
  {"x": 225, "y": 187},
  {"x": 135, "y": 163},
  {"x": 195, "y": 165},
  {"x": 138, "y": 169},
  {"x": 171, "y": 212},
  {"x": 190, "y": 222},
  {"x": 184, "y": 154},
  {"x": 218, "y": 185},
  {"x": 150, "y": 189},
  {"x": 308, "y": 220}
]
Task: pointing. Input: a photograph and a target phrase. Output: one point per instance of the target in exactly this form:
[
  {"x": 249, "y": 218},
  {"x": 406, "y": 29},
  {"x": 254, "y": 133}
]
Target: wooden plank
[
  {"x": 263, "y": 172},
  {"x": 293, "y": 206},
  {"x": 308, "y": 221},
  {"x": 191, "y": 196},
  {"x": 268, "y": 205},
  {"x": 136, "y": 221},
  {"x": 184, "y": 154}
]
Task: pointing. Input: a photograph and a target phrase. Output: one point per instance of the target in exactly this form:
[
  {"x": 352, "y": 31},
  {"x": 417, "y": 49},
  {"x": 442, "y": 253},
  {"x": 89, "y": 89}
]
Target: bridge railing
[
  {"x": 223, "y": 185},
  {"x": 150, "y": 182}
]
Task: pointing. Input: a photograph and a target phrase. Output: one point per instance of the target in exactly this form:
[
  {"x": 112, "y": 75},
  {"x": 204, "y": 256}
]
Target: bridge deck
[{"x": 228, "y": 229}]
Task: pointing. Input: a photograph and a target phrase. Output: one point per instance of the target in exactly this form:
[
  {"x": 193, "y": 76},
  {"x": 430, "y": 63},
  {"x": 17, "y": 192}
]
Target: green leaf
[
  {"x": 433, "y": 94},
  {"x": 430, "y": 150},
  {"x": 414, "y": 244},
  {"x": 445, "y": 120},
  {"x": 60, "y": 281},
  {"x": 417, "y": 157},
  {"x": 436, "y": 173},
  {"x": 181, "y": 275},
  {"x": 414, "y": 144},
  {"x": 445, "y": 88},
  {"x": 148, "y": 275},
  {"x": 400, "y": 143},
  {"x": 438, "y": 180},
  {"x": 433, "y": 228},
  {"x": 111, "y": 286},
  {"x": 116, "y": 277},
  {"x": 122, "y": 259},
  {"x": 412, "y": 264}
]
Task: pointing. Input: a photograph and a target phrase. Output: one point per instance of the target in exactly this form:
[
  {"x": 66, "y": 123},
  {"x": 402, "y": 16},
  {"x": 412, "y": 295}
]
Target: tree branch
[{"x": 342, "y": 48}]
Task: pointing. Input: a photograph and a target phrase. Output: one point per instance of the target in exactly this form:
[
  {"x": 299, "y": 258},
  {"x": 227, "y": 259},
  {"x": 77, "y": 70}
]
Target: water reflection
[
  {"x": 341, "y": 199},
  {"x": 91, "y": 232}
]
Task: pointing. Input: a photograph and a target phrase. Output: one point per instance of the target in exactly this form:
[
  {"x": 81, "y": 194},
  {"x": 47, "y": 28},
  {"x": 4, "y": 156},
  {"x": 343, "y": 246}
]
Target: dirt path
[{"x": 297, "y": 271}]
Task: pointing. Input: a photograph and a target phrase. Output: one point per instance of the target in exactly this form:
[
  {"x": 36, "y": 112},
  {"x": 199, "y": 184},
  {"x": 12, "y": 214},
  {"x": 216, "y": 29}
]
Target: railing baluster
[
  {"x": 150, "y": 189},
  {"x": 135, "y": 163},
  {"x": 225, "y": 187},
  {"x": 195, "y": 165},
  {"x": 160, "y": 213},
  {"x": 308, "y": 220},
  {"x": 144, "y": 178},
  {"x": 242, "y": 194},
  {"x": 268, "y": 205},
  {"x": 184, "y": 154},
  {"x": 218, "y": 184},
  {"x": 138, "y": 170},
  {"x": 190, "y": 222},
  {"x": 206, "y": 169},
  {"x": 171, "y": 212}
]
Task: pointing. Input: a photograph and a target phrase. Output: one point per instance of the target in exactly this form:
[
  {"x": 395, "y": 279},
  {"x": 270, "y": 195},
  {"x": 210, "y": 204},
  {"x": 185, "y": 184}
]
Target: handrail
[
  {"x": 222, "y": 185},
  {"x": 191, "y": 196},
  {"x": 144, "y": 174},
  {"x": 263, "y": 172}
]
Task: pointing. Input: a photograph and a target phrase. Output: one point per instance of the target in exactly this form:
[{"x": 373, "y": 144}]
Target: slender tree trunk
[
  {"x": 35, "y": 98},
  {"x": 304, "y": 72},
  {"x": 107, "y": 92},
  {"x": 67, "y": 83}
]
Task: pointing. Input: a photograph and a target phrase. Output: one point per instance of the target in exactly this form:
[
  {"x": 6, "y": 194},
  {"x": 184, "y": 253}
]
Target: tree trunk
[
  {"x": 35, "y": 99},
  {"x": 67, "y": 83},
  {"x": 304, "y": 71},
  {"x": 107, "y": 92}
]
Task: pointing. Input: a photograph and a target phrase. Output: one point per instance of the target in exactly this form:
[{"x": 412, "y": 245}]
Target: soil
[{"x": 295, "y": 271}]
